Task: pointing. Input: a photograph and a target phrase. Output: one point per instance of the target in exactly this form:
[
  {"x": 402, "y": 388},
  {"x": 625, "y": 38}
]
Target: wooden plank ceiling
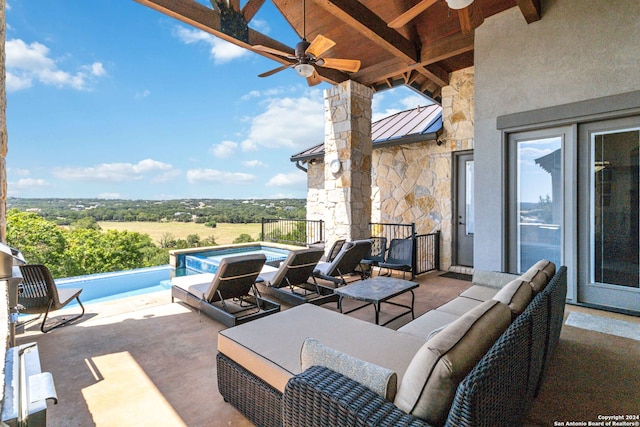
[{"x": 398, "y": 42}]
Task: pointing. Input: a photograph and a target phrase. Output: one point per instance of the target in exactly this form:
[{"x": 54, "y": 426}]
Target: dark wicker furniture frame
[{"x": 499, "y": 390}]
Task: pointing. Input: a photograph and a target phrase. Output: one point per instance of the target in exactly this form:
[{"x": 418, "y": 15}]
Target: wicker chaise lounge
[
  {"x": 294, "y": 282},
  {"x": 229, "y": 296}
]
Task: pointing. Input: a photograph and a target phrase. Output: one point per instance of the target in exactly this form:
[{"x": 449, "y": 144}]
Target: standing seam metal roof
[{"x": 406, "y": 125}]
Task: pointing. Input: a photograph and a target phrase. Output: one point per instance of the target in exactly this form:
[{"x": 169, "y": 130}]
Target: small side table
[{"x": 375, "y": 291}]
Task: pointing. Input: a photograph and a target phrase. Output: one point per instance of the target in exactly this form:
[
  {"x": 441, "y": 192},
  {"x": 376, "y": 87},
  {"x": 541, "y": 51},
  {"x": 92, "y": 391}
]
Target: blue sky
[{"x": 111, "y": 99}]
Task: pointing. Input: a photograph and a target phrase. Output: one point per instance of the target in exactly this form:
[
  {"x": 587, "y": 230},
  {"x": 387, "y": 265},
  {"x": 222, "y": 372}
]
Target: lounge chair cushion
[
  {"x": 195, "y": 284},
  {"x": 381, "y": 380},
  {"x": 517, "y": 295},
  {"x": 429, "y": 384},
  {"x": 270, "y": 347}
]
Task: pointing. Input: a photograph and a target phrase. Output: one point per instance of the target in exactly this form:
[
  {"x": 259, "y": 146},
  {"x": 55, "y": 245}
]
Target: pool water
[
  {"x": 104, "y": 287},
  {"x": 208, "y": 261}
]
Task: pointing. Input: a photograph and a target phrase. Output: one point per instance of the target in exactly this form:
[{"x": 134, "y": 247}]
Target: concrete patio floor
[{"x": 145, "y": 361}]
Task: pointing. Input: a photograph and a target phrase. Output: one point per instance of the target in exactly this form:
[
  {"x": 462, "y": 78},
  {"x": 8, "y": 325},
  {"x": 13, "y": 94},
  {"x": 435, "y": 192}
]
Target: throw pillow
[{"x": 381, "y": 380}]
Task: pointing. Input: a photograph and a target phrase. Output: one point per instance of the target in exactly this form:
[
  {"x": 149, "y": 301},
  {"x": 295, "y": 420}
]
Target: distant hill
[{"x": 65, "y": 211}]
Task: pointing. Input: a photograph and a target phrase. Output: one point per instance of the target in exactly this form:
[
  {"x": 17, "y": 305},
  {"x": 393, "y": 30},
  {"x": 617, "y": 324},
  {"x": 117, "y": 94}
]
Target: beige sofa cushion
[
  {"x": 429, "y": 384},
  {"x": 270, "y": 347},
  {"x": 459, "y": 306},
  {"x": 538, "y": 280},
  {"x": 480, "y": 292},
  {"x": 382, "y": 381},
  {"x": 546, "y": 266},
  {"x": 423, "y": 325},
  {"x": 517, "y": 295}
]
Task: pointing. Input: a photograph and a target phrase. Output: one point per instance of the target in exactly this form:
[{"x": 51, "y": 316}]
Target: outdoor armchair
[
  {"x": 346, "y": 262},
  {"x": 230, "y": 295},
  {"x": 39, "y": 294},
  {"x": 294, "y": 282},
  {"x": 399, "y": 257}
]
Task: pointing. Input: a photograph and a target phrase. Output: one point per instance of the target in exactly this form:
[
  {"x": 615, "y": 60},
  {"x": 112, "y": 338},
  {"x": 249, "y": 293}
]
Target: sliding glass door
[{"x": 610, "y": 200}]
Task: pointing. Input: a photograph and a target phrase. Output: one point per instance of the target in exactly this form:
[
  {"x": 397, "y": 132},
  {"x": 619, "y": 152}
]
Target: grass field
[{"x": 223, "y": 233}]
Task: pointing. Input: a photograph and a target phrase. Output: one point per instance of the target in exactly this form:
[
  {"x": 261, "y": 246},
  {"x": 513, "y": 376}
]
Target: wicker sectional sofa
[{"x": 482, "y": 366}]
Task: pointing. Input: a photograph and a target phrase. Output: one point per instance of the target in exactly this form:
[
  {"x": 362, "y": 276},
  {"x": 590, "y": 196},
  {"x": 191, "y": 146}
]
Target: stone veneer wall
[{"x": 413, "y": 182}]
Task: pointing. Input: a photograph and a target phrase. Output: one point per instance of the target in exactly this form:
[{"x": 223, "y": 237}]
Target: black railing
[
  {"x": 427, "y": 252},
  {"x": 426, "y": 247},
  {"x": 299, "y": 232}
]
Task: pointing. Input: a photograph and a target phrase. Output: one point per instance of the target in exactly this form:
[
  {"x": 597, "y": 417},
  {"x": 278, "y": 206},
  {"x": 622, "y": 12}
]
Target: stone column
[{"x": 347, "y": 161}]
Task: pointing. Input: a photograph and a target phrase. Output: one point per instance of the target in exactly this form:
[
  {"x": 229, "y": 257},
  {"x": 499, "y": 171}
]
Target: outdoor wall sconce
[{"x": 459, "y": 4}]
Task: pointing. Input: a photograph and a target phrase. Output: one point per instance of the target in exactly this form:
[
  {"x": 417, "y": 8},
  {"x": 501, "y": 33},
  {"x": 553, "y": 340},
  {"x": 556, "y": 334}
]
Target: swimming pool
[
  {"x": 206, "y": 260},
  {"x": 120, "y": 284}
]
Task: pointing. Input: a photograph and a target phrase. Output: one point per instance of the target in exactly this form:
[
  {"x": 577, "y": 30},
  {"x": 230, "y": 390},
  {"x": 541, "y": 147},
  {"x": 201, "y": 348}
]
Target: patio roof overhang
[{"x": 416, "y": 43}]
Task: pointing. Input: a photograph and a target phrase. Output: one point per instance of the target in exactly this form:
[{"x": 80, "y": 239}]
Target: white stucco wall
[{"x": 580, "y": 50}]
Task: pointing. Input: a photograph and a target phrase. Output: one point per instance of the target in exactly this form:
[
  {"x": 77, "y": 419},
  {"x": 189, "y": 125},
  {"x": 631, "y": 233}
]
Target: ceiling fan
[{"x": 309, "y": 55}]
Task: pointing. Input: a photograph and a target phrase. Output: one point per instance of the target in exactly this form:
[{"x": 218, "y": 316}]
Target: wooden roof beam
[
  {"x": 251, "y": 8},
  {"x": 198, "y": 15},
  {"x": 361, "y": 18},
  {"x": 446, "y": 48},
  {"x": 531, "y": 10}
]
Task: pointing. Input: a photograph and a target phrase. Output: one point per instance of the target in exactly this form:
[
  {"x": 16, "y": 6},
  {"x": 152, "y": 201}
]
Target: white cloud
[
  {"x": 221, "y": 51},
  {"x": 143, "y": 94},
  {"x": 25, "y": 185},
  {"x": 109, "y": 196},
  {"x": 26, "y": 63},
  {"x": 200, "y": 176},
  {"x": 291, "y": 179},
  {"x": 288, "y": 123},
  {"x": 261, "y": 25},
  {"x": 275, "y": 91},
  {"x": 254, "y": 163},
  {"x": 18, "y": 171},
  {"x": 29, "y": 183},
  {"x": 224, "y": 149},
  {"x": 112, "y": 172}
]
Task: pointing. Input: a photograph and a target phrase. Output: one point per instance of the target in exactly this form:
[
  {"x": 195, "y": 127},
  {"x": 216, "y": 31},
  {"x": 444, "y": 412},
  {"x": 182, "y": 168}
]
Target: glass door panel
[
  {"x": 615, "y": 241},
  {"x": 539, "y": 217}
]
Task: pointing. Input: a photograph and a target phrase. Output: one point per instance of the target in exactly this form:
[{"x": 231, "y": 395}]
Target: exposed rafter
[
  {"x": 408, "y": 16},
  {"x": 531, "y": 9},
  {"x": 251, "y": 8},
  {"x": 446, "y": 48},
  {"x": 358, "y": 16}
]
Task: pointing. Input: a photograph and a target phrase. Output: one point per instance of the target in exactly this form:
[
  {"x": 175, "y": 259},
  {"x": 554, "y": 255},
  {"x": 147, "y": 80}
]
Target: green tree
[
  {"x": 92, "y": 251},
  {"x": 39, "y": 240},
  {"x": 87, "y": 222},
  {"x": 243, "y": 238}
]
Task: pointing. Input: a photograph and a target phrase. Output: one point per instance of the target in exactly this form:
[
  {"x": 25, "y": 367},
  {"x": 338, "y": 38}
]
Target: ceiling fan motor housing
[{"x": 301, "y": 48}]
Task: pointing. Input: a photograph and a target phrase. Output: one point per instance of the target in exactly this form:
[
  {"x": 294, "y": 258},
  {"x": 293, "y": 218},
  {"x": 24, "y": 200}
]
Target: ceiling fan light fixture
[
  {"x": 459, "y": 4},
  {"x": 304, "y": 70}
]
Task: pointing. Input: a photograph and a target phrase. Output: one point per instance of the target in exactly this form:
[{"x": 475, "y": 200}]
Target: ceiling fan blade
[
  {"x": 275, "y": 70},
  {"x": 314, "y": 79},
  {"x": 407, "y": 16},
  {"x": 348, "y": 65},
  {"x": 267, "y": 49},
  {"x": 320, "y": 45}
]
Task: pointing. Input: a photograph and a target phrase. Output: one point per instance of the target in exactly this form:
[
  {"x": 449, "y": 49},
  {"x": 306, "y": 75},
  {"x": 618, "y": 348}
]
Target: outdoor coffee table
[{"x": 375, "y": 291}]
